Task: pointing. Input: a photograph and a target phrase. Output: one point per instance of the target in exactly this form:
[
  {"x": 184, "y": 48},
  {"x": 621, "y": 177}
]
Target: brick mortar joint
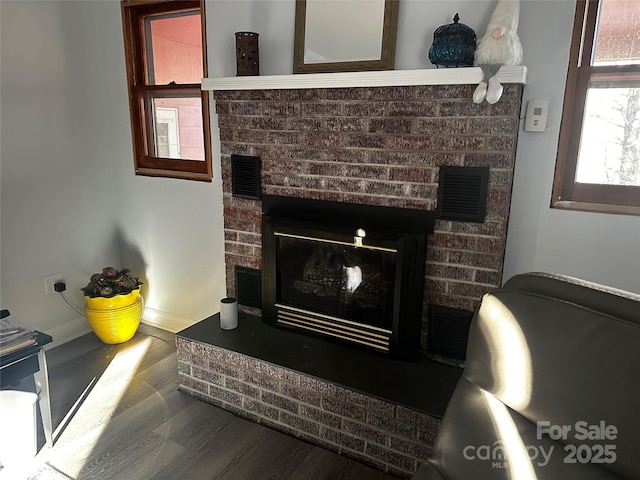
[
  {"x": 456, "y": 280},
  {"x": 470, "y": 235},
  {"x": 460, "y": 265}
]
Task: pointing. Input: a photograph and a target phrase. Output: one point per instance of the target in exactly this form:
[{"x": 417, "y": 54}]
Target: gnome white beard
[
  {"x": 500, "y": 45},
  {"x": 499, "y": 51}
]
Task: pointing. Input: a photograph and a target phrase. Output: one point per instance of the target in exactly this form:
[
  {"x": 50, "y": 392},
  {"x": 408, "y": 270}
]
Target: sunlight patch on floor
[{"x": 76, "y": 442}]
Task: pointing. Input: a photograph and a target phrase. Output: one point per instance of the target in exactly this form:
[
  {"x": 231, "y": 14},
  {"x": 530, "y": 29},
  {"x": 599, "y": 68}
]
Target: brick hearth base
[{"x": 388, "y": 436}]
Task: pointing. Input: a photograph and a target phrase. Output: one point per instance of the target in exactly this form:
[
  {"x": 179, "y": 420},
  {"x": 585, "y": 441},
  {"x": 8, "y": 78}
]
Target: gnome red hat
[{"x": 499, "y": 46}]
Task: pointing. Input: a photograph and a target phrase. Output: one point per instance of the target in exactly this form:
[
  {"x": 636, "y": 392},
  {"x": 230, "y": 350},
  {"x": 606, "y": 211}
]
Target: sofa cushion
[
  {"x": 549, "y": 389},
  {"x": 481, "y": 438}
]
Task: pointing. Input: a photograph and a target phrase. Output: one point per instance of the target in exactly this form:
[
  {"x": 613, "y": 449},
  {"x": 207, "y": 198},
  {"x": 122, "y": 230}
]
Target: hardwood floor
[{"x": 132, "y": 423}]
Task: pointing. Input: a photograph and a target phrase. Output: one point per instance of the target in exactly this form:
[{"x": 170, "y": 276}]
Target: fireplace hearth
[{"x": 347, "y": 272}]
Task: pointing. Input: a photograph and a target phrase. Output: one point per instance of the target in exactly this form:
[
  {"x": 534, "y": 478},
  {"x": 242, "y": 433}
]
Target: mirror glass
[
  {"x": 344, "y": 35},
  {"x": 355, "y": 33}
]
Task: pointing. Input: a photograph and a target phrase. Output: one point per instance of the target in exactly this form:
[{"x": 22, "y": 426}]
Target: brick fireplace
[
  {"x": 369, "y": 146},
  {"x": 376, "y": 146}
]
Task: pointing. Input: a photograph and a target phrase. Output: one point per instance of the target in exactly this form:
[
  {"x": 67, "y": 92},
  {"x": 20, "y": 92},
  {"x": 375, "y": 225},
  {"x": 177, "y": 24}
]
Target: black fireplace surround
[{"x": 346, "y": 272}]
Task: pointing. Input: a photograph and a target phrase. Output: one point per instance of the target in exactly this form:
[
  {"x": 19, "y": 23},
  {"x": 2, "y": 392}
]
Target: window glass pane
[
  {"x": 175, "y": 52},
  {"x": 610, "y": 142},
  {"x": 618, "y": 35},
  {"x": 178, "y": 130}
]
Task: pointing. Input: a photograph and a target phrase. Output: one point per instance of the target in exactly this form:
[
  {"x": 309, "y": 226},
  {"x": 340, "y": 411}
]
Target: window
[
  {"x": 165, "y": 52},
  {"x": 598, "y": 165}
]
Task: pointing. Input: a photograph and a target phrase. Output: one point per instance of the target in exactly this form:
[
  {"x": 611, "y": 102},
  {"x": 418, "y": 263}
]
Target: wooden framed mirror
[{"x": 344, "y": 35}]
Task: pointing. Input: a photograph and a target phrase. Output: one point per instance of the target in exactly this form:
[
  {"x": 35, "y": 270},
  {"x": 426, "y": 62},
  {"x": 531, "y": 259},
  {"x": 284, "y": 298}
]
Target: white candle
[{"x": 228, "y": 313}]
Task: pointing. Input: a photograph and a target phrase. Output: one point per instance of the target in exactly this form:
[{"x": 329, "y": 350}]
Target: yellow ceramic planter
[
  {"x": 115, "y": 319},
  {"x": 117, "y": 301}
]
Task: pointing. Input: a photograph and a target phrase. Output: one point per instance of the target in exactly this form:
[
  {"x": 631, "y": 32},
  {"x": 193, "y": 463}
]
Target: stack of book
[{"x": 14, "y": 335}]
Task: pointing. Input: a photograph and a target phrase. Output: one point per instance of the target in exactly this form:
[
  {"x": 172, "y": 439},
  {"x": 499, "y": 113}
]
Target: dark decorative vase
[
  {"x": 453, "y": 45},
  {"x": 247, "y": 58}
]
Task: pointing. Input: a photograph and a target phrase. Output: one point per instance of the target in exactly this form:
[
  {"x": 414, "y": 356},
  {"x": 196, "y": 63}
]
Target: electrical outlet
[{"x": 50, "y": 281}]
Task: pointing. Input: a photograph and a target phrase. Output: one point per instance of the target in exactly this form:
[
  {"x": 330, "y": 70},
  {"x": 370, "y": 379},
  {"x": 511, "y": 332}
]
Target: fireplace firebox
[{"x": 347, "y": 272}]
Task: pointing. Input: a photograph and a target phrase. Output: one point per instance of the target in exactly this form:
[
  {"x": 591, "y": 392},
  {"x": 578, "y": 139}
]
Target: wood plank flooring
[{"x": 133, "y": 423}]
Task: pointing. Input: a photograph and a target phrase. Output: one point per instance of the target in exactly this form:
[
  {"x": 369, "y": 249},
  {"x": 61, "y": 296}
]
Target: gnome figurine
[{"x": 499, "y": 46}]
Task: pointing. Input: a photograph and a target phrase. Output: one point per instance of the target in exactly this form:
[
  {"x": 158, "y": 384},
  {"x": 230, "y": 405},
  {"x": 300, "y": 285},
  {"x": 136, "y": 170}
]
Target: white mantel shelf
[{"x": 384, "y": 78}]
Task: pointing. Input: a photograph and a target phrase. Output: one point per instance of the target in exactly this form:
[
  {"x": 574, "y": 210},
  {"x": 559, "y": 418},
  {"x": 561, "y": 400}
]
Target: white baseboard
[
  {"x": 79, "y": 326},
  {"x": 166, "y": 321},
  {"x": 68, "y": 331}
]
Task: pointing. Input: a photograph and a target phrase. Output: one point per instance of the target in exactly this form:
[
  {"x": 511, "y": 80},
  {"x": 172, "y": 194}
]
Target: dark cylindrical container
[{"x": 247, "y": 58}]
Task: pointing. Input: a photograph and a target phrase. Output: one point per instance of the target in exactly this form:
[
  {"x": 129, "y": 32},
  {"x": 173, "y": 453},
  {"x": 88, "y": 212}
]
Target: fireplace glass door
[
  {"x": 336, "y": 279},
  {"x": 346, "y": 272}
]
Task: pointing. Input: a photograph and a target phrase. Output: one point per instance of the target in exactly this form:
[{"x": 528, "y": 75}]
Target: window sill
[
  {"x": 597, "y": 208},
  {"x": 154, "y": 172}
]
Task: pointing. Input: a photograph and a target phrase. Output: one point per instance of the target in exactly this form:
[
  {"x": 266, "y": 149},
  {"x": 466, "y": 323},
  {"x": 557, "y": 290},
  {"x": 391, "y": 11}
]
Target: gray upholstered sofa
[{"x": 551, "y": 388}]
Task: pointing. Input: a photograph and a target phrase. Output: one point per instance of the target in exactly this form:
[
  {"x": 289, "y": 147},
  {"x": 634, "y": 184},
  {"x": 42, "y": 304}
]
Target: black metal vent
[
  {"x": 448, "y": 331},
  {"x": 462, "y": 193},
  {"x": 245, "y": 176},
  {"x": 248, "y": 286}
]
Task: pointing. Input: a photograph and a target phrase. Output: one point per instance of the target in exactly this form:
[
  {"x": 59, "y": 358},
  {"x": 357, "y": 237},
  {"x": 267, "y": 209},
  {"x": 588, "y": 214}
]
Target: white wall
[
  {"x": 274, "y": 21},
  {"x": 70, "y": 200},
  {"x": 58, "y": 202},
  {"x": 170, "y": 230},
  {"x": 72, "y": 204},
  {"x": 598, "y": 247}
]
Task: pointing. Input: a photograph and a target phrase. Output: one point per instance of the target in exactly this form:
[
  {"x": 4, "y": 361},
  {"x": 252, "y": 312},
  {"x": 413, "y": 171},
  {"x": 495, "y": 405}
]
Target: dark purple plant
[{"x": 111, "y": 282}]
